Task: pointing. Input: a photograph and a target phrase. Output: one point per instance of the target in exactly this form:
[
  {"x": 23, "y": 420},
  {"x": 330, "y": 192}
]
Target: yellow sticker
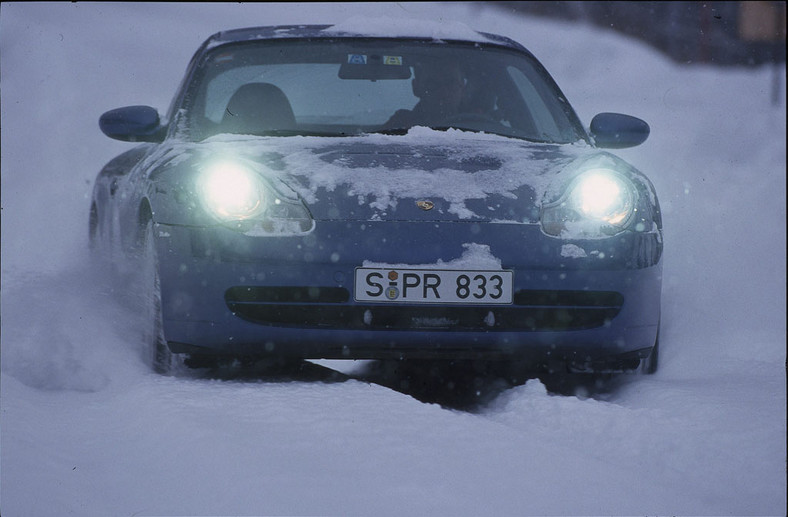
[{"x": 392, "y": 60}]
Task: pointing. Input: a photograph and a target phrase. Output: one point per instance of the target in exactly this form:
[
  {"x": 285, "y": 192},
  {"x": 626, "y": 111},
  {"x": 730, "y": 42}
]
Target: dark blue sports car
[{"x": 319, "y": 192}]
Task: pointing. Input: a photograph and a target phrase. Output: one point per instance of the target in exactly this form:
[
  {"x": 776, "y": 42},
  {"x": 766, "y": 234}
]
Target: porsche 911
[{"x": 327, "y": 192}]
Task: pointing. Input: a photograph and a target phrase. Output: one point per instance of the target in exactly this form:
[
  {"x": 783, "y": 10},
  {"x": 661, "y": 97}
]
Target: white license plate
[{"x": 433, "y": 286}]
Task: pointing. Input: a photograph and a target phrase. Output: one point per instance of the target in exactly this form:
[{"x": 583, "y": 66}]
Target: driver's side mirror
[
  {"x": 617, "y": 131},
  {"x": 133, "y": 124}
]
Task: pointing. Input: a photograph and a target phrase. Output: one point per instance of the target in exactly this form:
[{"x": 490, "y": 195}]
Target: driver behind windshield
[{"x": 439, "y": 88}]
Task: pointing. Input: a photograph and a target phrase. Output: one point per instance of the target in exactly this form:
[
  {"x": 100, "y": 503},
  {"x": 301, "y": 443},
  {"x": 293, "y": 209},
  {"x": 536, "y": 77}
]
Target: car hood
[{"x": 422, "y": 176}]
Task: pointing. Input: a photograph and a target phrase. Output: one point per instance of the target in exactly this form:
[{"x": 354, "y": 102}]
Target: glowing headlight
[
  {"x": 599, "y": 202},
  {"x": 232, "y": 191},
  {"x": 602, "y": 196}
]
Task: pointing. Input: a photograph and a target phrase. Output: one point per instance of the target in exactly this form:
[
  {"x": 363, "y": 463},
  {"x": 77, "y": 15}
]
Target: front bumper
[{"x": 577, "y": 301}]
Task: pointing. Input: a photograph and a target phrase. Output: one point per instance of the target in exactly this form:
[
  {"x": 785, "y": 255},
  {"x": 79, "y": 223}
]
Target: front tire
[
  {"x": 650, "y": 364},
  {"x": 93, "y": 223},
  {"x": 156, "y": 351}
]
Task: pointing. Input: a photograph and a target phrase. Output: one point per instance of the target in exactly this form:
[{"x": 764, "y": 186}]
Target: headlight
[
  {"x": 238, "y": 196},
  {"x": 602, "y": 196},
  {"x": 232, "y": 191},
  {"x": 599, "y": 202}
]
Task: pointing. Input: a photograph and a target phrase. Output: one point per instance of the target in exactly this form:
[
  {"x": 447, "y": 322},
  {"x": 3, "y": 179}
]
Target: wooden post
[{"x": 764, "y": 22}]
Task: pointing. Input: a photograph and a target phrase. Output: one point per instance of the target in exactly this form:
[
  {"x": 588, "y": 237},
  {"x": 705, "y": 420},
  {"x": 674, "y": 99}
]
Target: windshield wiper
[
  {"x": 303, "y": 132},
  {"x": 390, "y": 131}
]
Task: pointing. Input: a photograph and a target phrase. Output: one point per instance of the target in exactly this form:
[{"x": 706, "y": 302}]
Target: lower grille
[{"x": 329, "y": 307}]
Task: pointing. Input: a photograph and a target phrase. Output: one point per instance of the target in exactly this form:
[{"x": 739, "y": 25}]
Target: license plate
[{"x": 433, "y": 286}]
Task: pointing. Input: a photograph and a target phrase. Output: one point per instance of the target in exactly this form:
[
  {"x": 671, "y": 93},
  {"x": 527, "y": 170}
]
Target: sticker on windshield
[
  {"x": 357, "y": 59},
  {"x": 392, "y": 60},
  {"x": 224, "y": 58}
]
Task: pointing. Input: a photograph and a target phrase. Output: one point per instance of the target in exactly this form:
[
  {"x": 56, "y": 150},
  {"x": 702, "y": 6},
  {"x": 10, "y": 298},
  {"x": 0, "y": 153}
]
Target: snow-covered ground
[{"x": 88, "y": 430}]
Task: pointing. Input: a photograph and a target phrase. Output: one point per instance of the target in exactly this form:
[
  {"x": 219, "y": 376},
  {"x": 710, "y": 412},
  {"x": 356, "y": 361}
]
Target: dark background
[{"x": 721, "y": 33}]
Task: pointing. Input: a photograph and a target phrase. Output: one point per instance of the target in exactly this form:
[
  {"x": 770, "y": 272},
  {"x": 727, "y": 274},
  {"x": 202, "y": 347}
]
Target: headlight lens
[
  {"x": 232, "y": 191},
  {"x": 602, "y": 196},
  {"x": 238, "y": 196},
  {"x": 599, "y": 202}
]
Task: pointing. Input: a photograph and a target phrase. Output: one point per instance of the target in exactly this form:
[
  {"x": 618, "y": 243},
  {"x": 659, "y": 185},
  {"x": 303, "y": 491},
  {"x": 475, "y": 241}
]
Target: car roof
[{"x": 364, "y": 28}]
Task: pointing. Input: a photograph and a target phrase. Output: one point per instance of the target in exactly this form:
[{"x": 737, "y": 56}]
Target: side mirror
[
  {"x": 132, "y": 124},
  {"x": 617, "y": 131}
]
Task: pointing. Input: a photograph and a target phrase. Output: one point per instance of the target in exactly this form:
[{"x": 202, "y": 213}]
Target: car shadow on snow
[
  {"x": 473, "y": 385},
  {"x": 274, "y": 371},
  {"x": 460, "y": 385}
]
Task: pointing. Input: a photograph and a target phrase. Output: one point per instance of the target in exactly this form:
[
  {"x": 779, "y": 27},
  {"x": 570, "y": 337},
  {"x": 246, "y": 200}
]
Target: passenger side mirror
[{"x": 617, "y": 131}]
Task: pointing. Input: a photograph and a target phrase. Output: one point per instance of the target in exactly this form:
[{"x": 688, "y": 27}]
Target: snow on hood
[{"x": 468, "y": 176}]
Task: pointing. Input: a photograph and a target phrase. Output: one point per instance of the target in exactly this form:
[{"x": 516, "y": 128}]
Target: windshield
[{"x": 350, "y": 87}]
